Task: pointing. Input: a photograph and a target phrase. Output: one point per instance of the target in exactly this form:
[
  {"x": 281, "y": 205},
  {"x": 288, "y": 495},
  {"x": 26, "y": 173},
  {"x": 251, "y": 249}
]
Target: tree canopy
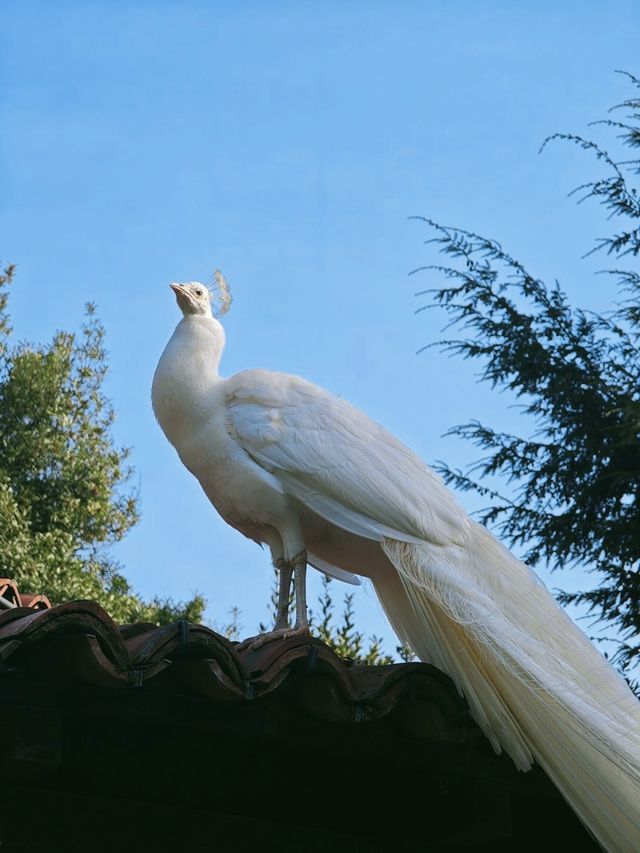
[
  {"x": 574, "y": 496},
  {"x": 63, "y": 483}
]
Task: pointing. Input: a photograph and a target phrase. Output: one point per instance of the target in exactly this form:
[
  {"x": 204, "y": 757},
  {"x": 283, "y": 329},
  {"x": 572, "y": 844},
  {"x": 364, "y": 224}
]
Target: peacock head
[{"x": 193, "y": 298}]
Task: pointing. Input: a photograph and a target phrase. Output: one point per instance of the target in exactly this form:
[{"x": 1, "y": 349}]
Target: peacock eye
[{"x": 198, "y": 293}]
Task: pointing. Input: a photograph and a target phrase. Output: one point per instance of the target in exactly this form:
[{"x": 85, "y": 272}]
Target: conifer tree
[{"x": 575, "y": 483}]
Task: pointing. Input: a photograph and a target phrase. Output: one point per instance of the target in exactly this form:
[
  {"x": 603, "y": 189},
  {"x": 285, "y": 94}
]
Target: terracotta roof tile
[
  {"x": 9, "y": 591},
  {"x": 10, "y": 597},
  {"x": 78, "y": 642},
  {"x": 216, "y": 746},
  {"x": 38, "y": 602}
]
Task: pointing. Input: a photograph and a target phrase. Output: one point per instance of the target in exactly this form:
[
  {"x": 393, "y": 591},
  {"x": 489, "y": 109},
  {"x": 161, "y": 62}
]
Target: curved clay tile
[{"x": 78, "y": 642}]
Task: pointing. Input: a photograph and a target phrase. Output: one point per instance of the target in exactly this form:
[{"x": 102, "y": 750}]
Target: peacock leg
[
  {"x": 282, "y": 631},
  {"x": 299, "y": 564},
  {"x": 285, "y": 570}
]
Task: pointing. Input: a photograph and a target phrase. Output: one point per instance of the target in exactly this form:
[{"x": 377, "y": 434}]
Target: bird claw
[{"x": 254, "y": 643}]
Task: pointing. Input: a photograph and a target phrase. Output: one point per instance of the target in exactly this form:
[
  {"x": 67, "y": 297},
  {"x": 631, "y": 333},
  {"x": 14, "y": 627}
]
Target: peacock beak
[{"x": 183, "y": 298}]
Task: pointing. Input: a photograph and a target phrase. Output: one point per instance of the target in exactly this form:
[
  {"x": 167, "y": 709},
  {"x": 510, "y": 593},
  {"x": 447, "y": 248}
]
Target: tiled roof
[
  {"x": 78, "y": 642},
  {"x": 139, "y": 737},
  {"x": 10, "y": 597}
]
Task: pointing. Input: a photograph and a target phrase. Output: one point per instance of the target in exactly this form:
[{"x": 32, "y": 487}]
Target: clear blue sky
[{"x": 287, "y": 143}]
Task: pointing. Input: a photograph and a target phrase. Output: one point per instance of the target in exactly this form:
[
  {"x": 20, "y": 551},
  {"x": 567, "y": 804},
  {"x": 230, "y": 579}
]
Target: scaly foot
[{"x": 254, "y": 643}]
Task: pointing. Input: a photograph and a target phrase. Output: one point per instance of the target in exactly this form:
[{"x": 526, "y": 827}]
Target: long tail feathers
[{"x": 534, "y": 683}]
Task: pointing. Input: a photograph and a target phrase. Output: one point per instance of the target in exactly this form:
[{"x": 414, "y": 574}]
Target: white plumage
[{"x": 290, "y": 465}]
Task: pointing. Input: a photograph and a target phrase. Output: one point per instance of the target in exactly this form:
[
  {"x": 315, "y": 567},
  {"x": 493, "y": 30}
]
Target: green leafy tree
[
  {"x": 62, "y": 481},
  {"x": 575, "y": 496}
]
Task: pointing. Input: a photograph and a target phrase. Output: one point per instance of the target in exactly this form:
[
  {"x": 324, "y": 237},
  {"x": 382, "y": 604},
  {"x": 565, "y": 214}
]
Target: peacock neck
[
  {"x": 201, "y": 341},
  {"x": 187, "y": 375}
]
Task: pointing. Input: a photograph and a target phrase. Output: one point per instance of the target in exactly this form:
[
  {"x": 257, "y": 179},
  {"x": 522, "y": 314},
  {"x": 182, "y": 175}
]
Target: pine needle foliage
[
  {"x": 345, "y": 640},
  {"x": 63, "y": 483},
  {"x": 575, "y": 483}
]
